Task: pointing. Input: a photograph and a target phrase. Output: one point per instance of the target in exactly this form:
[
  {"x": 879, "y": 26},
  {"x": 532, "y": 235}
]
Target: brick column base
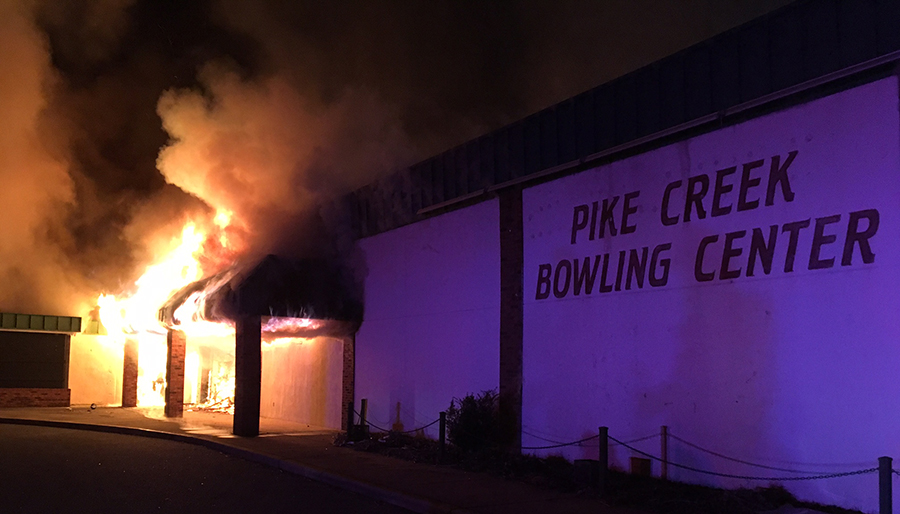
[
  {"x": 176, "y": 342},
  {"x": 130, "y": 374}
]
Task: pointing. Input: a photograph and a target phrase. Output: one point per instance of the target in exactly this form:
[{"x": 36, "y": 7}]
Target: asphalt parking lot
[{"x": 61, "y": 470}]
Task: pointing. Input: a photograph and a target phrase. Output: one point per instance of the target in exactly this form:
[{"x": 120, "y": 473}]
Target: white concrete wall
[
  {"x": 431, "y": 326},
  {"x": 301, "y": 381},
  {"x": 791, "y": 369},
  {"x": 95, "y": 370}
]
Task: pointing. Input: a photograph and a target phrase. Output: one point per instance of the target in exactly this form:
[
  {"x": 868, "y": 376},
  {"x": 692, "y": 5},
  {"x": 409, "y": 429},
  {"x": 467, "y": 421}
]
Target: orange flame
[
  {"x": 209, "y": 362},
  {"x": 196, "y": 253}
]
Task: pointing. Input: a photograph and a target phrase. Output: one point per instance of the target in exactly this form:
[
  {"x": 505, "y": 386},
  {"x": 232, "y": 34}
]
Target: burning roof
[{"x": 308, "y": 289}]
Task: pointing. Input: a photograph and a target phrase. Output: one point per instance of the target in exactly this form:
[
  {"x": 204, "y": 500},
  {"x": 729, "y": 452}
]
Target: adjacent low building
[{"x": 34, "y": 359}]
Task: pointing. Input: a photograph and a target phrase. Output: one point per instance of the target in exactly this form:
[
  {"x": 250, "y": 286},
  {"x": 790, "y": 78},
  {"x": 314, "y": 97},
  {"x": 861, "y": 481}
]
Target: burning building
[{"x": 271, "y": 337}]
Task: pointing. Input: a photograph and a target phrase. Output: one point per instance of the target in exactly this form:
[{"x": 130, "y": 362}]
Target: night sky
[{"x": 125, "y": 118}]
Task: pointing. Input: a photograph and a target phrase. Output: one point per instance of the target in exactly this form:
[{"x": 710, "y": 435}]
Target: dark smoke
[{"x": 125, "y": 118}]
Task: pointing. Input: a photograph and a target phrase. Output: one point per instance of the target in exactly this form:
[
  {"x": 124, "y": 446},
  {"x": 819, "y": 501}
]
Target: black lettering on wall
[
  {"x": 861, "y": 239},
  {"x": 720, "y": 190},
  {"x": 542, "y": 291},
  {"x": 586, "y": 275},
  {"x": 695, "y": 197},
  {"x": 763, "y": 250},
  {"x": 637, "y": 267},
  {"x": 664, "y": 211},
  {"x": 794, "y": 229},
  {"x": 778, "y": 175},
  {"x": 560, "y": 292},
  {"x": 725, "y": 273},
  {"x": 819, "y": 239},
  {"x": 628, "y": 210},
  {"x": 746, "y": 183},
  {"x": 594, "y": 207},
  {"x": 655, "y": 262},
  {"x": 604, "y": 287},
  {"x": 619, "y": 270},
  {"x": 607, "y": 219},
  {"x": 698, "y": 262},
  {"x": 579, "y": 220}
]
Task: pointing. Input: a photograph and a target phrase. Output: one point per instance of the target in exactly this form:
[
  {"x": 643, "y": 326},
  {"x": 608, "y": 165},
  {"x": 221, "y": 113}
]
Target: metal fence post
[
  {"x": 350, "y": 430},
  {"x": 664, "y": 452},
  {"x": 885, "y": 496},
  {"x": 603, "y": 468},
  {"x": 443, "y": 433},
  {"x": 398, "y": 425},
  {"x": 363, "y": 406}
]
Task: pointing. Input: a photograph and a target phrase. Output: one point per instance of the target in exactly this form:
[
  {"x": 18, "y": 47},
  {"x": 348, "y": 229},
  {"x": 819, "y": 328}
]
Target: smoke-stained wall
[
  {"x": 739, "y": 287},
  {"x": 431, "y": 324}
]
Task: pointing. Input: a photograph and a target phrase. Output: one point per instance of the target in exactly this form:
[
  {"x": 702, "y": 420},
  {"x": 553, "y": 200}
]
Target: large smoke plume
[
  {"x": 35, "y": 187},
  {"x": 262, "y": 151},
  {"x": 125, "y": 118}
]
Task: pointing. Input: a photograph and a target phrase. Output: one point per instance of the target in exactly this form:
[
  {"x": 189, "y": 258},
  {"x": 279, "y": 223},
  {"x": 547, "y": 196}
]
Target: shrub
[{"x": 472, "y": 422}]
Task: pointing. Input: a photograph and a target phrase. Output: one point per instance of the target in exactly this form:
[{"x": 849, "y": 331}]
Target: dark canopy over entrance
[{"x": 276, "y": 297}]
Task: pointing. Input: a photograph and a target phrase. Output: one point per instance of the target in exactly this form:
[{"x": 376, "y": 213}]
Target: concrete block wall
[{"x": 432, "y": 316}]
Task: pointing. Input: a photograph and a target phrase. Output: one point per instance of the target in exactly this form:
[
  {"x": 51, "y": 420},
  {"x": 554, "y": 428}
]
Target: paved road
[{"x": 57, "y": 470}]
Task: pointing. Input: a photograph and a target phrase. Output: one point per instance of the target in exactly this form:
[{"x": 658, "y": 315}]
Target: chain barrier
[
  {"x": 411, "y": 414},
  {"x": 745, "y": 477},
  {"x": 894, "y": 471},
  {"x": 382, "y": 429},
  {"x": 811, "y": 475},
  {"x": 369, "y": 423},
  {"x": 763, "y": 466},
  {"x": 420, "y": 428},
  {"x": 539, "y": 437},
  {"x": 639, "y": 439},
  {"x": 554, "y": 441},
  {"x": 560, "y": 445}
]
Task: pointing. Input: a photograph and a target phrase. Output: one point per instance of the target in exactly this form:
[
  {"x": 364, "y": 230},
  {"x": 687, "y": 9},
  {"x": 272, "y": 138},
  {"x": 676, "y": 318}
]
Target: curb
[{"x": 396, "y": 498}]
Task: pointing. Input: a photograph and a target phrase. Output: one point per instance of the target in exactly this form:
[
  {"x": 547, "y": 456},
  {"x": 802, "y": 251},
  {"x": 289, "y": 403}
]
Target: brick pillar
[
  {"x": 130, "y": 374},
  {"x": 348, "y": 378},
  {"x": 247, "y": 375},
  {"x": 511, "y": 316},
  {"x": 176, "y": 343}
]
